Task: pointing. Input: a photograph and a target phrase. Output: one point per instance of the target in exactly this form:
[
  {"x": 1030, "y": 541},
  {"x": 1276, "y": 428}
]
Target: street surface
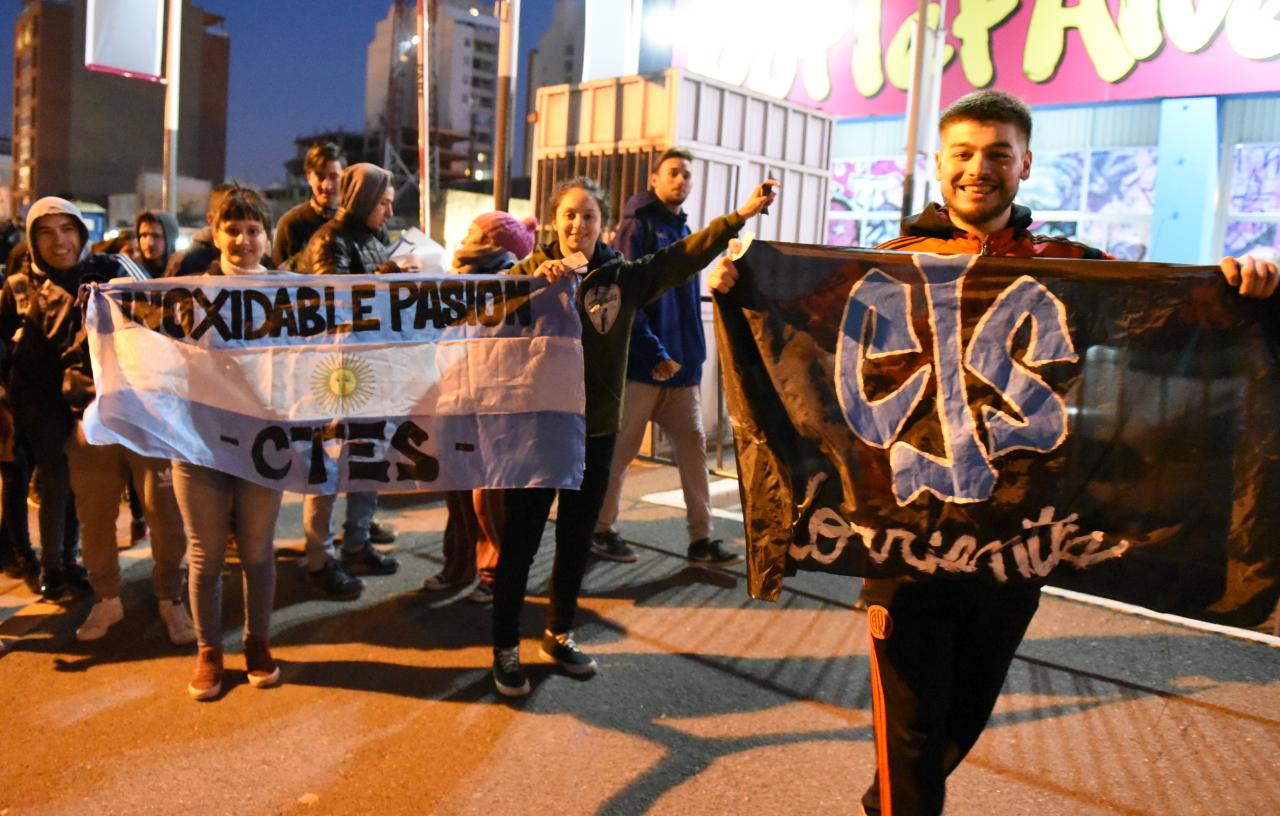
[{"x": 706, "y": 702}]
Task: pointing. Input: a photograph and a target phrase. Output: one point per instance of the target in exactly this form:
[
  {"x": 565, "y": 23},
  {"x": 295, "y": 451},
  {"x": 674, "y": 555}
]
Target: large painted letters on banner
[
  {"x": 1110, "y": 427},
  {"x": 328, "y": 384}
]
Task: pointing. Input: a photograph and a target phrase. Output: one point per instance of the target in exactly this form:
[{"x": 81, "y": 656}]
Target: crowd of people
[
  {"x": 643, "y": 347},
  {"x": 195, "y": 513}
]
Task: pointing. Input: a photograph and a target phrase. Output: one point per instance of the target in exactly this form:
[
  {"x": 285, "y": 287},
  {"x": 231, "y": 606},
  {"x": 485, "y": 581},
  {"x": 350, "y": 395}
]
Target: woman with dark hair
[
  {"x": 610, "y": 290},
  {"x": 215, "y": 504}
]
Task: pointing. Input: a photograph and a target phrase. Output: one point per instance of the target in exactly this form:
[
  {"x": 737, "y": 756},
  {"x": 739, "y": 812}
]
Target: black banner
[{"x": 1111, "y": 427}]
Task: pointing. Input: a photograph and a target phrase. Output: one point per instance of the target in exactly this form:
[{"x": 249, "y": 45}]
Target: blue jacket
[{"x": 669, "y": 328}]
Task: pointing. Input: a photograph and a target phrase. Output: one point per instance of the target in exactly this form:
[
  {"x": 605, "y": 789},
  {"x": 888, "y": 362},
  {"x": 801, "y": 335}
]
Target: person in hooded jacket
[
  {"x": 156, "y": 233},
  {"x": 350, "y": 243},
  {"x": 54, "y": 350},
  {"x": 494, "y": 242},
  {"x": 942, "y": 648},
  {"x": 610, "y": 291},
  {"x": 40, "y": 319}
]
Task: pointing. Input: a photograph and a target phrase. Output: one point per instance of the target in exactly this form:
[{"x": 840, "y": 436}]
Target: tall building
[
  {"x": 556, "y": 61},
  {"x": 84, "y": 134},
  {"x": 464, "y": 60}
]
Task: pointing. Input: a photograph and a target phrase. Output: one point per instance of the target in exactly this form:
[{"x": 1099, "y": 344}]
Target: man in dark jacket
[
  {"x": 350, "y": 243},
  {"x": 323, "y": 168},
  {"x": 664, "y": 367},
  {"x": 942, "y": 648},
  {"x": 157, "y": 237},
  {"x": 52, "y": 385}
]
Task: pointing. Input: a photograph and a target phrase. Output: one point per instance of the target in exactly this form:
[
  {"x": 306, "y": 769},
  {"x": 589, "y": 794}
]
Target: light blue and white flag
[{"x": 326, "y": 384}]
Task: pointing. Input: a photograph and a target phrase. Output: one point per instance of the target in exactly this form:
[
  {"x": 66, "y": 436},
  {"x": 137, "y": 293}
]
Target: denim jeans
[
  {"x": 317, "y": 525},
  {"x": 210, "y": 502}
]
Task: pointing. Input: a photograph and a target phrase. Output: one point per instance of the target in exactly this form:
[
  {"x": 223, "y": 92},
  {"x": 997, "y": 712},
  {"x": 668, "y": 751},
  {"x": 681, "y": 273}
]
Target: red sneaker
[
  {"x": 263, "y": 670},
  {"x": 207, "y": 681}
]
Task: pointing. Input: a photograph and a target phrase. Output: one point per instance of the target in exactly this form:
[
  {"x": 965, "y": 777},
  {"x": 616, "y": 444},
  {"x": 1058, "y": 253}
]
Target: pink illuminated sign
[{"x": 815, "y": 52}]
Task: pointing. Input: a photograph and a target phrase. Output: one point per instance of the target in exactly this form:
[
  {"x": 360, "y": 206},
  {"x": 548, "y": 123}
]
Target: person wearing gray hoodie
[
  {"x": 157, "y": 236},
  {"x": 51, "y": 372},
  {"x": 350, "y": 243}
]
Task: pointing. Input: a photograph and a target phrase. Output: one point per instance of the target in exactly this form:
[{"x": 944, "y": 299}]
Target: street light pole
[
  {"x": 915, "y": 101},
  {"x": 424, "y": 123},
  {"x": 508, "y": 12},
  {"x": 172, "y": 74}
]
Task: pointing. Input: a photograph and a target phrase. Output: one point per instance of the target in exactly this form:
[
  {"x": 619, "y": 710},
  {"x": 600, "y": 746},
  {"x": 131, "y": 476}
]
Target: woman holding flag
[
  {"x": 610, "y": 290},
  {"x": 216, "y": 505}
]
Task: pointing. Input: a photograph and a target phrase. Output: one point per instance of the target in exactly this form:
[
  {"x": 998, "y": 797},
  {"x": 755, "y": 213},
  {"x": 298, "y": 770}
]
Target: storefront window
[
  {"x": 1253, "y": 220},
  {"x": 1102, "y": 197},
  {"x": 866, "y": 200}
]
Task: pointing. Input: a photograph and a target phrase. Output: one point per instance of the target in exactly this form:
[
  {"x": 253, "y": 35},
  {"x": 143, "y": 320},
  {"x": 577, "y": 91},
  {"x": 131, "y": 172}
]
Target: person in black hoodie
[{"x": 157, "y": 236}]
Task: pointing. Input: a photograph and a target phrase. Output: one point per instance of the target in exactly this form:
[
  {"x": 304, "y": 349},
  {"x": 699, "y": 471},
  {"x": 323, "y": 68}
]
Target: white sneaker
[
  {"x": 105, "y": 613},
  {"x": 182, "y": 630}
]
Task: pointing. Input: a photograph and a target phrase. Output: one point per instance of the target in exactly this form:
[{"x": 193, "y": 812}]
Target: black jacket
[{"x": 346, "y": 246}]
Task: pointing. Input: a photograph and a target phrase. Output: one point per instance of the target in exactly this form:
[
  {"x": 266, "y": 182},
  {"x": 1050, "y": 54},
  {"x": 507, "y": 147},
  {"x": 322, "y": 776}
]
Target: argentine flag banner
[{"x": 328, "y": 384}]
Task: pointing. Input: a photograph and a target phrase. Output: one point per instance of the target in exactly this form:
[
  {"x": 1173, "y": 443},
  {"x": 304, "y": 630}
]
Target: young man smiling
[
  {"x": 51, "y": 358},
  {"x": 323, "y": 167},
  {"x": 664, "y": 367},
  {"x": 948, "y": 643}
]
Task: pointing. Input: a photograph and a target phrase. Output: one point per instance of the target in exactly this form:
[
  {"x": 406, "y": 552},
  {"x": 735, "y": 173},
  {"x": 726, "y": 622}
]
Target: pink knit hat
[{"x": 503, "y": 229}]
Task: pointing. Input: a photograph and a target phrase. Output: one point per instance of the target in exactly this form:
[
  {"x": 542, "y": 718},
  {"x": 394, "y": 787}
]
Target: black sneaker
[
  {"x": 381, "y": 534},
  {"x": 609, "y": 545},
  {"x": 712, "y": 551},
  {"x": 28, "y": 569},
  {"x": 507, "y": 674},
  {"x": 564, "y": 651},
  {"x": 53, "y": 586},
  {"x": 369, "y": 562},
  {"x": 336, "y": 582},
  {"x": 77, "y": 578}
]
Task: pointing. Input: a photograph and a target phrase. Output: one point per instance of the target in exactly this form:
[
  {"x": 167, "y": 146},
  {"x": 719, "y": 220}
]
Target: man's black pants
[{"x": 941, "y": 667}]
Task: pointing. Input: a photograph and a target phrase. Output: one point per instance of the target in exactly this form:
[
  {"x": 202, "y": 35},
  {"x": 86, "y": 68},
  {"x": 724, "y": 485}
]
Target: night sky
[{"x": 297, "y": 67}]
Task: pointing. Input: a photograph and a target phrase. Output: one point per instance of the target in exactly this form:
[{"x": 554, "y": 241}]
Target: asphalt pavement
[{"x": 706, "y": 701}]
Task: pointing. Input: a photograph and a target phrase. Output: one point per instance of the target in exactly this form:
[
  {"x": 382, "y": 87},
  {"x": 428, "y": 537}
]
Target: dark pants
[
  {"x": 59, "y": 529},
  {"x": 941, "y": 668},
  {"x": 527, "y": 511},
  {"x": 15, "y": 535}
]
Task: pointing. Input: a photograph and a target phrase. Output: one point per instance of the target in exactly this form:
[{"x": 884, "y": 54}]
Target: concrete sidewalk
[{"x": 707, "y": 702}]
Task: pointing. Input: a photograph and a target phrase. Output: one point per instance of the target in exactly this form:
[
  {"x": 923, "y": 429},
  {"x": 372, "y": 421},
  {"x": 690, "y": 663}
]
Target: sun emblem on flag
[{"x": 342, "y": 383}]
